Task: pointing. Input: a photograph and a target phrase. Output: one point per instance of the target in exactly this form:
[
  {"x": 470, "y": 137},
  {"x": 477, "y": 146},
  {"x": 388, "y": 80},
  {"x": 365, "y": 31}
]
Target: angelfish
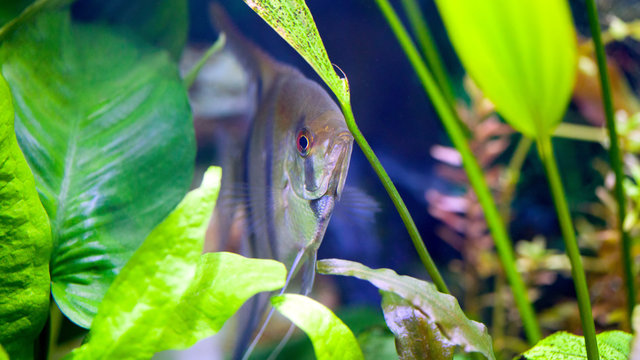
[{"x": 285, "y": 169}]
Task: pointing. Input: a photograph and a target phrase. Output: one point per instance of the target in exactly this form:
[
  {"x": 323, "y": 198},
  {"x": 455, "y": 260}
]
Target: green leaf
[
  {"x": 612, "y": 345},
  {"x": 417, "y": 337},
  {"x": 111, "y": 145},
  {"x": 11, "y": 9},
  {"x": 439, "y": 308},
  {"x": 173, "y": 300},
  {"x": 25, "y": 243},
  {"x": 3, "y": 354},
  {"x": 162, "y": 23},
  {"x": 293, "y": 21},
  {"x": 522, "y": 54},
  {"x": 133, "y": 313},
  {"x": 331, "y": 338},
  {"x": 223, "y": 282}
]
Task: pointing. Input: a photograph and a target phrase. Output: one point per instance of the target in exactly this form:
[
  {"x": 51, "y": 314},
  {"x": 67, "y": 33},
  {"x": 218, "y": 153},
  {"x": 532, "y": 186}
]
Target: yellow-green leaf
[
  {"x": 522, "y": 54},
  {"x": 331, "y": 338}
]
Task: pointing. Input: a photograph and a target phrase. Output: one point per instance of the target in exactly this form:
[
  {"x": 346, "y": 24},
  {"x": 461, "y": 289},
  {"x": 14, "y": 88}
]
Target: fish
[{"x": 285, "y": 162}]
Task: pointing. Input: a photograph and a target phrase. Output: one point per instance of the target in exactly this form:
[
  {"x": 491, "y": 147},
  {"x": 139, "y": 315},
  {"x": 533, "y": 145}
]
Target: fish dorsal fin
[{"x": 257, "y": 63}]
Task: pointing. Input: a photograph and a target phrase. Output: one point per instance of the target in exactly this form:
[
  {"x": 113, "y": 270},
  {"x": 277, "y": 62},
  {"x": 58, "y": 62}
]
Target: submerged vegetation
[{"x": 98, "y": 228}]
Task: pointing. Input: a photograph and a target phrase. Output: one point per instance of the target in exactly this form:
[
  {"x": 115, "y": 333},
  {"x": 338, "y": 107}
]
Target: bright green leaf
[
  {"x": 331, "y": 338},
  {"x": 417, "y": 337},
  {"x": 25, "y": 243},
  {"x": 111, "y": 145},
  {"x": 223, "y": 282},
  {"x": 3, "y": 354},
  {"x": 135, "y": 310},
  {"x": 612, "y": 345},
  {"x": 18, "y": 12},
  {"x": 165, "y": 298},
  {"x": 522, "y": 54},
  {"x": 442, "y": 309},
  {"x": 162, "y": 23},
  {"x": 293, "y": 21}
]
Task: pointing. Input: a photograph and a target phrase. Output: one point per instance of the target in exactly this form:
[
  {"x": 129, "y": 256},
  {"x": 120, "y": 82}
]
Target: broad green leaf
[
  {"x": 612, "y": 345},
  {"x": 25, "y": 243},
  {"x": 417, "y": 337},
  {"x": 133, "y": 313},
  {"x": 110, "y": 143},
  {"x": 223, "y": 282},
  {"x": 522, "y": 54},
  {"x": 162, "y": 23},
  {"x": 439, "y": 308},
  {"x": 331, "y": 338},
  {"x": 172, "y": 299},
  {"x": 292, "y": 20}
]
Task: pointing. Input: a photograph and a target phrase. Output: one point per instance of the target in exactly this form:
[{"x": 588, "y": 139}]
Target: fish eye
[{"x": 303, "y": 142}]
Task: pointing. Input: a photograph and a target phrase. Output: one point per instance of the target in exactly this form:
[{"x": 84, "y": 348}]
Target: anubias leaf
[
  {"x": 106, "y": 127},
  {"x": 522, "y": 54},
  {"x": 440, "y": 309},
  {"x": 293, "y": 21},
  {"x": 162, "y": 23},
  {"x": 612, "y": 345},
  {"x": 330, "y": 337},
  {"x": 169, "y": 296},
  {"x": 25, "y": 244},
  {"x": 417, "y": 337}
]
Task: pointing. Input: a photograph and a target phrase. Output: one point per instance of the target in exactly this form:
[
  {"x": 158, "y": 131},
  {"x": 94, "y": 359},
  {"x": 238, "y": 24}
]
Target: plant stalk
[
  {"x": 476, "y": 178},
  {"x": 427, "y": 44},
  {"x": 615, "y": 157},
  {"x": 545, "y": 149},
  {"x": 426, "y": 259}
]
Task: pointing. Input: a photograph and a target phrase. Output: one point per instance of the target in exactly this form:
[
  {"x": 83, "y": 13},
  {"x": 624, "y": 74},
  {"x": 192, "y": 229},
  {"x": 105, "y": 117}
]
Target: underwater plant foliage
[{"x": 26, "y": 243}]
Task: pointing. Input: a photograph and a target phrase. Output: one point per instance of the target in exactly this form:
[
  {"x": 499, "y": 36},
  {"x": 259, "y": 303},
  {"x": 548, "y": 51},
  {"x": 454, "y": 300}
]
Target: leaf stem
[
  {"x": 545, "y": 149},
  {"x": 418, "y": 243},
  {"x": 614, "y": 156},
  {"x": 476, "y": 178},
  {"x": 189, "y": 79}
]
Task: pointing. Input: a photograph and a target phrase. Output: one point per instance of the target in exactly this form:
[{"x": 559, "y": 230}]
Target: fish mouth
[{"x": 341, "y": 151}]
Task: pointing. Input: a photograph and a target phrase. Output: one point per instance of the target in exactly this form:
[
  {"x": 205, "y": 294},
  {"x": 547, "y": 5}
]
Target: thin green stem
[
  {"x": 545, "y": 149},
  {"x": 476, "y": 178},
  {"x": 426, "y": 259},
  {"x": 430, "y": 52},
  {"x": 614, "y": 155},
  {"x": 427, "y": 44},
  {"x": 193, "y": 73}
]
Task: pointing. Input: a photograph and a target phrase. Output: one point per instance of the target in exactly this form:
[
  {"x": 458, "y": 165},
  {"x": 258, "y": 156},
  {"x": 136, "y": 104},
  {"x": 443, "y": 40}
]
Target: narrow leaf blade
[
  {"x": 330, "y": 337},
  {"x": 292, "y": 20}
]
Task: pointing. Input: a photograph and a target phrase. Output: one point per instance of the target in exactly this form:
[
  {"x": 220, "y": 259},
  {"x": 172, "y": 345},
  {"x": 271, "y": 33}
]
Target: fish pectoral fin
[{"x": 355, "y": 203}]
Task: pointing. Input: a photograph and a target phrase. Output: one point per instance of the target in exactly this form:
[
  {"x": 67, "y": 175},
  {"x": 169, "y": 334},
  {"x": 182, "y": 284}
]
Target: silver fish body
[{"x": 284, "y": 167}]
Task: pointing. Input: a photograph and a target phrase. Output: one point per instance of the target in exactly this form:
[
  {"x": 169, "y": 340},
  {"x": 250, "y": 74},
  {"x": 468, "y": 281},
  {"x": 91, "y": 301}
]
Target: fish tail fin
[{"x": 256, "y": 62}]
